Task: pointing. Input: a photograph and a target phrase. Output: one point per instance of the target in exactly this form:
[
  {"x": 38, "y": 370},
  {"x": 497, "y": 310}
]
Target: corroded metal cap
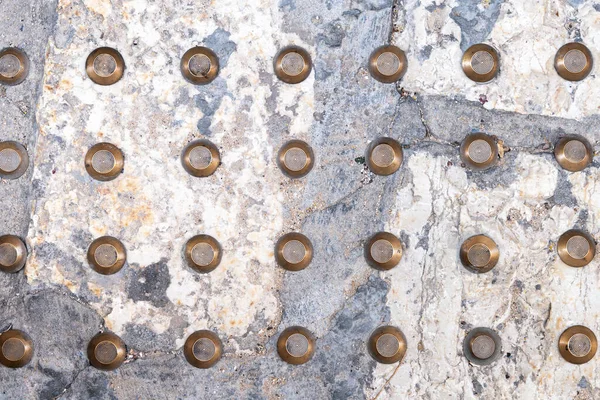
[
  {"x": 104, "y": 161},
  {"x": 13, "y": 253},
  {"x": 387, "y": 345},
  {"x": 295, "y": 159},
  {"x": 14, "y": 66},
  {"x": 479, "y": 253},
  {"x": 384, "y": 156},
  {"x": 481, "y": 63},
  {"x": 200, "y": 158},
  {"x": 292, "y": 64},
  {"x": 576, "y": 248},
  {"x": 293, "y": 251},
  {"x": 479, "y": 151},
  {"x": 200, "y": 65},
  {"x": 383, "y": 251},
  {"x": 203, "y": 253},
  {"x": 14, "y": 160},
  {"x": 388, "y": 64},
  {"x": 573, "y": 153},
  {"x": 577, "y": 344},
  {"x": 296, "y": 345},
  {"x": 482, "y": 346},
  {"x": 573, "y": 61},
  {"x": 106, "y": 351},
  {"x": 16, "y": 348},
  {"x": 203, "y": 349},
  {"x": 105, "y": 66},
  {"x": 107, "y": 255}
]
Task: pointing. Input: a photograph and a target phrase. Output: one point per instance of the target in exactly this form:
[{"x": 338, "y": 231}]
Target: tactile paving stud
[
  {"x": 14, "y": 66},
  {"x": 13, "y": 253},
  {"x": 203, "y": 253},
  {"x": 14, "y": 160},
  {"x": 387, "y": 344},
  {"x": 383, "y": 251},
  {"x": 104, "y": 161},
  {"x": 200, "y": 65},
  {"x": 105, "y": 66},
  {"x": 106, "y": 351},
  {"x": 482, "y": 346},
  {"x": 293, "y": 251},
  {"x": 107, "y": 255},
  {"x": 573, "y": 153},
  {"x": 203, "y": 349},
  {"x": 576, "y": 248},
  {"x": 481, "y": 63},
  {"x": 16, "y": 348},
  {"x": 296, "y": 345},
  {"x": 200, "y": 158},
  {"x": 573, "y": 61},
  {"x": 295, "y": 159},
  {"x": 479, "y": 151},
  {"x": 387, "y": 64},
  {"x": 292, "y": 64},
  {"x": 384, "y": 156},
  {"x": 577, "y": 344},
  {"x": 479, "y": 253}
]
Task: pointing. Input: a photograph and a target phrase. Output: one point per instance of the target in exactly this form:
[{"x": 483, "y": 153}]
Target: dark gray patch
[
  {"x": 477, "y": 387},
  {"x": 562, "y": 192},
  {"x": 577, "y": 3},
  {"x": 208, "y": 101},
  {"x": 424, "y": 236},
  {"x": 287, "y": 5},
  {"x": 219, "y": 42},
  {"x": 597, "y": 7},
  {"x": 583, "y": 383},
  {"x": 355, "y": 12},
  {"x": 425, "y": 53},
  {"x": 150, "y": 284},
  {"x": 475, "y": 23},
  {"x": 582, "y": 219},
  {"x": 333, "y": 34},
  {"x": 82, "y": 239}
]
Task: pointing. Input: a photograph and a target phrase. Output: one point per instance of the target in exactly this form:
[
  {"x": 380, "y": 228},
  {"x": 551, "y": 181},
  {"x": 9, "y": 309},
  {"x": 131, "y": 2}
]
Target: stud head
[
  {"x": 105, "y": 66},
  {"x": 387, "y": 345},
  {"x": 293, "y": 251},
  {"x": 481, "y": 63},
  {"x": 573, "y": 153},
  {"x": 573, "y": 61},
  {"x": 203, "y": 253},
  {"x": 292, "y": 64},
  {"x": 14, "y": 66},
  {"x": 479, "y": 254},
  {"x": 106, "y": 351},
  {"x": 200, "y": 65},
  {"x": 388, "y": 64},
  {"x": 576, "y": 248},
  {"x": 296, "y": 345},
  {"x": 16, "y": 348},
  {"x": 577, "y": 344},
  {"x": 203, "y": 349},
  {"x": 482, "y": 346},
  {"x": 13, "y": 253},
  {"x": 383, "y": 251}
]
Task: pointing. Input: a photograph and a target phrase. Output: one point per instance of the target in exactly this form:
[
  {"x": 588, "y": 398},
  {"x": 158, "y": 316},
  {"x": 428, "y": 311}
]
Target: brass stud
[
  {"x": 383, "y": 251},
  {"x": 104, "y": 161},
  {"x": 14, "y": 160},
  {"x": 203, "y": 253},
  {"x": 384, "y": 156},
  {"x": 16, "y": 348},
  {"x": 292, "y": 64},
  {"x": 14, "y": 66},
  {"x": 293, "y": 251},
  {"x": 388, "y": 64},
  {"x": 203, "y": 349},
  {"x": 296, "y": 345},
  {"x": 295, "y": 159},
  {"x": 576, "y": 248},
  {"x": 573, "y": 61},
  {"x": 479, "y": 151},
  {"x": 387, "y": 345},
  {"x": 480, "y": 63},
  {"x": 107, "y": 255},
  {"x": 200, "y": 158},
  {"x": 479, "y": 254},
  {"x": 577, "y": 344},
  {"x": 13, "y": 253},
  {"x": 105, "y": 66},
  {"x": 106, "y": 351},
  {"x": 200, "y": 65},
  {"x": 482, "y": 346},
  {"x": 573, "y": 153}
]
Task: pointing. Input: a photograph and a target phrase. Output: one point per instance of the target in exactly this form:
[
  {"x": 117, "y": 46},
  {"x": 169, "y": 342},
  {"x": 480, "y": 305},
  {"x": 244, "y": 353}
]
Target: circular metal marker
[
  {"x": 200, "y": 65},
  {"x": 13, "y": 253},
  {"x": 14, "y": 160},
  {"x": 573, "y": 61},
  {"x": 479, "y": 254},
  {"x": 16, "y": 348},
  {"x": 203, "y": 349},
  {"x": 14, "y": 66},
  {"x": 296, "y": 345},
  {"x": 200, "y": 158},
  {"x": 573, "y": 153},
  {"x": 387, "y": 64},
  {"x": 105, "y": 66},
  {"x": 479, "y": 151},
  {"x": 106, "y": 351},
  {"x": 383, "y": 251},
  {"x": 107, "y": 255},
  {"x": 387, "y": 345},
  {"x": 293, "y": 251},
  {"x": 576, "y": 248},
  {"x": 384, "y": 156},
  {"x": 481, "y": 63},
  {"x": 104, "y": 161},
  {"x": 295, "y": 159},
  {"x": 292, "y": 64},
  {"x": 203, "y": 253},
  {"x": 577, "y": 344},
  {"x": 482, "y": 346}
]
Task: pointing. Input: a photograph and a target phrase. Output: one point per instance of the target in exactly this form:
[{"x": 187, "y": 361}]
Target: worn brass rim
[
  {"x": 561, "y": 68},
  {"x": 110, "y": 343},
  {"x": 470, "y": 340},
  {"x": 296, "y": 78},
  {"x": 24, "y": 66},
  {"x": 467, "y": 158},
  {"x": 193, "y": 359},
  {"x": 396, "y": 251},
  {"x": 116, "y": 170},
  {"x": 395, "y": 164},
  {"x": 19, "y": 338},
  {"x": 468, "y": 63},
  {"x": 119, "y": 248},
  {"x": 212, "y": 166},
  {"x": 563, "y": 344},
  {"x": 564, "y": 254},
  {"x": 308, "y": 152},
  {"x": 279, "y": 251},
  {"x": 573, "y": 165},
  {"x": 486, "y": 242},
  {"x": 285, "y": 354},
  {"x": 17, "y": 247},
  {"x": 216, "y": 249},
  {"x": 373, "y": 347},
  {"x": 204, "y": 78},
  {"x": 374, "y": 60},
  {"x": 115, "y": 76},
  {"x": 23, "y": 163}
]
